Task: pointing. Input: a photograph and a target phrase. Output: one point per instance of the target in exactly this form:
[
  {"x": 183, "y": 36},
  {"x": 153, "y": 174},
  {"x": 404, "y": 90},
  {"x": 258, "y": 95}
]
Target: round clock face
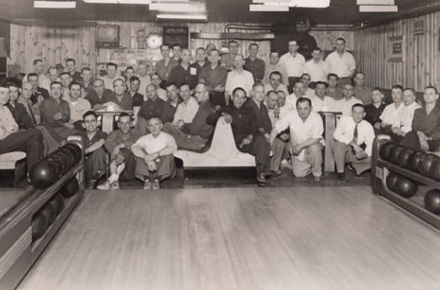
[{"x": 154, "y": 40}]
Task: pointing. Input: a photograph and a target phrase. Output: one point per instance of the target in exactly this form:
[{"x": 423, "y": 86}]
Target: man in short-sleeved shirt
[
  {"x": 293, "y": 63},
  {"x": 275, "y": 84},
  {"x": 238, "y": 78},
  {"x": 345, "y": 104},
  {"x": 316, "y": 67},
  {"x": 341, "y": 63},
  {"x": 391, "y": 113}
]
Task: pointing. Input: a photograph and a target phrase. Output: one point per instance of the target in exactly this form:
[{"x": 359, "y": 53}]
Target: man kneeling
[{"x": 154, "y": 155}]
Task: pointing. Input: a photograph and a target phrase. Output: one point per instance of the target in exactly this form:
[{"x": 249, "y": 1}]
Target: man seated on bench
[
  {"x": 154, "y": 152},
  {"x": 195, "y": 135},
  {"x": 29, "y": 141}
]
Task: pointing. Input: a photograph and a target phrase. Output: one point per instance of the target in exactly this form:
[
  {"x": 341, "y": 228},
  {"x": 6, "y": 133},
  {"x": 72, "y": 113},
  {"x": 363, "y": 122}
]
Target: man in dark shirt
[
  {"x": 196, "y": 67},
  {"x": 254, "y": 64},
  {"x": 153, "y": 106},
  {"x": 71, "y": 69},
  {"x": 38, "y": 94},
  {"x": 138, "y": 99},
  {"x": 214, "y": 76},
  {"x": 195, "y": 135},
  {"x": 170, "y": 107},
  {"x": 261, "y": 115},
  {"x": 375, "y": 108},
  {"x": 99, "y": 95},
  {"x": 425, "y": 134},
  {"x": 120, "y": 97},
  {"x": 181, "y": 74}
]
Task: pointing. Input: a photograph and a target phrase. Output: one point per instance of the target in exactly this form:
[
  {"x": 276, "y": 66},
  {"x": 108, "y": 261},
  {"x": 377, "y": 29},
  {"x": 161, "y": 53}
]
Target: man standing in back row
[
  {"x": 341, "y": 63},
  {"x": 293, "y": 63}
]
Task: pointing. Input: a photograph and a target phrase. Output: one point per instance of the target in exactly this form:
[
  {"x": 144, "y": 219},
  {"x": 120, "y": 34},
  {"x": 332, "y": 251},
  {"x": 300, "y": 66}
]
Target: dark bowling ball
[
  {"x": 43, "y": 174},
  {"x": 426, "y": 163},
  {"x": 59, "y": 166},
  {"x": 414, "y": 161},
  {"x": 435, "y": 170},
  {"x": 392, "y": 180},
  {"x": 68, "y": 157},
  {"x": 394, "y": 153},
  {"x": 406, "y": 187},
  {"x": 403, "y": 158},
  {"x": 76, "y": 150},
  {"x": 70, "y": 188},
  {"x": 50, "y": 213},
  {"x": 385, "y": 150},
  {"x": 432, "y": 201},
  {"x": 58, "y": 203},
  {"x": 39, "y": 226}
]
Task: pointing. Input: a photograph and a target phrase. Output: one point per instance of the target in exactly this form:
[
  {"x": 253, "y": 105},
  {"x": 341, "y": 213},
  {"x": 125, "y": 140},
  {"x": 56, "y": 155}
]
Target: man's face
[
  {"x": 4, "y": 96},
  {"x": 111, "y": 71},
  {"x": 119, "y": 87},
  {"x": 33, "y": 80},
  {"x": 281, "y": 99},
  {"x": 274, "y": 58},
  {"x": 340, "y": 46},
  {"x": 304, "y": 110},
  {"x": 39, "y": 67},
  {"x": 306, "y": 80},
  {"x": 185, "y": 93},
  {"x": 275, "y": 80},
  {"x": 65, "y": 80},
  {"x": 332, "y": 81},
  {"x": 70, "y": 65},
  {"x": 299, "y": 89},
  {"x": 185, "y": 55},
  {"x": 213, "y": 57},
  {"x": 376, "y": 96},
  {"x": 86, "y": 76},
  {"x": 98, "y": 86},
  {"x": 172, "y": 92},
  {"x": 53, "y": 74},
  {"x": 201, "y": 55},
  {"x": 155, "y": 126},
  {"x": 358, "y": 114},
  {"x": 124, "y": 124},
  {"x": 142, "y": 69},
  {"x": 258, "y": 93},
  {"x": 134, "y": 85},
  {"x": 177, "y": 51},
  {"x": 408, "y": 97},
  {"x": 293, "y": 46},
  {"x": 165, "y": 51},
  {"x": 200, "y": 93},
  {"x": 320, "y": 90},
  {"x": 238, "y": 61},
  {"x": 90, "y": 123},
  {"x": 348, "y": 91},
  {"x": 155, "y": 80},
  {"x": 56, "y": 91},
  {"x": 429, "y": 96},
  {"x": 233, "y": 48},
  {"x": 151, "y": 92},
  {"x": 396, "y": 95},
  {"x": 272, "y": 100},
  {"x": 129, "y": 73},
  {"x": 238, "y": 98},
  {"x": 13, "y": 93},
  {"x": 26, "y": 91},
  {"x": 253, "y": 51},
  {"x": 359, "y": 80},
  {"x": 75, "y": 92},
  {"x": 317, "y": 55}
]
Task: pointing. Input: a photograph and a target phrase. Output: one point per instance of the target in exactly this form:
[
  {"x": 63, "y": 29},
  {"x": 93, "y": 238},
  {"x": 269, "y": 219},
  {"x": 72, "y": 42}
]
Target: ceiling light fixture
[
  {"x": 176, "y": 16},
  {"x": 375, "y": 2},
  {"x": 378, "y": 8},
  {"x": 309, "y": 3},
  {"x": 268, "y": 8},
  {"x": 179, "y": 7},
  {"x": 55, "y": 4},
  {"x": 135, "y": 2}
]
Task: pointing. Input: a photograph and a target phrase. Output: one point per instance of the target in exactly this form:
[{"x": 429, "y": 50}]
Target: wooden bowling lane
[{"x": 272, "y": 238}]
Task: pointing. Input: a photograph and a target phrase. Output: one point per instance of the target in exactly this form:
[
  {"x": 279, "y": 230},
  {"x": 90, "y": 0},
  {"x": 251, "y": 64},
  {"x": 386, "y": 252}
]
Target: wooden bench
[
  {"x": 221, "y": 153},
  {"x": 8, "y": 160}
]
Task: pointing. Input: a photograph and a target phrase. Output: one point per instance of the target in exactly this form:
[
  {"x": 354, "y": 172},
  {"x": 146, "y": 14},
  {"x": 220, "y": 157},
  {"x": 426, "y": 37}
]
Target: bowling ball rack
[
  {"x": 380, "y": 169},
  {"x": 18, "y": 250}
]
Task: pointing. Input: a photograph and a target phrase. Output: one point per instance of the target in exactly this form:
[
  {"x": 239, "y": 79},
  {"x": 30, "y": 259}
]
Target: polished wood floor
[{"x": 249, "y": 238}]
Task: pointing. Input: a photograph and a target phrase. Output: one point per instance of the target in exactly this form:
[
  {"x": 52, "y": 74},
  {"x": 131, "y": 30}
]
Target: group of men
[{"x": 273, "y": 111}]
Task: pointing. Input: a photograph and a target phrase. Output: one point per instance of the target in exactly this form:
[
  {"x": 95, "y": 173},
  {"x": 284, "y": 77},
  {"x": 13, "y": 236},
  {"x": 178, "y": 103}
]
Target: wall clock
[{"x": 154, "y": 40}]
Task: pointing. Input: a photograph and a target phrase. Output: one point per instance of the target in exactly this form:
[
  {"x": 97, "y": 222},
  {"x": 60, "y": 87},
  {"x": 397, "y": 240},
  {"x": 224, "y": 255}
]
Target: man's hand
[
  {"x": 179, "y": 123},
  {"x": 151, "y": 165},
  {"x": 219, "y": 88},
  {"x": 424, "y": 144},
  {"x": 228, "y": 118},
  {"x": 57, "y": 116},
  {"x": 355, "y": 146},
  {"x": 267, "y": 136},
  {"x": 398, "y": 131},
  {"x": 151, "y": 157},
  {"x": 377, "y": 125},
  {"x": 284, "y": 137},
  {"x": 69, "y": 126},
  {"x": 361, "y": 155},
  {"x": 296, "y": 149}
]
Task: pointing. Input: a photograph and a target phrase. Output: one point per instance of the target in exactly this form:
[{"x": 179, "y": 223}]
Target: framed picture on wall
[{"x": 396, "y": 48}]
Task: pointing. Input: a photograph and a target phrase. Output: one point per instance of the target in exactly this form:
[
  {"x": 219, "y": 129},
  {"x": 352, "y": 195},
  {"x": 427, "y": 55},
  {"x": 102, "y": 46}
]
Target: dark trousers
[
  {"x": 94, "y": 164},
  {"x": 165, "y": 168},
  {"x": 130, "y": 165},
  {"x": 259, "y": 148},
  {"x": 29, "y": 141},
  {"x": 412, "y": 141}
]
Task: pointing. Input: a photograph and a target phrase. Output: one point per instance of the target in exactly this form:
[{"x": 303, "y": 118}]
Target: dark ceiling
[{"x": 236, "y": 11}]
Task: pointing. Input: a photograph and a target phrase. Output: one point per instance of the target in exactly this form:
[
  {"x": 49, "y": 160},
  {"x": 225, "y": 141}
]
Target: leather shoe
[{"x": 341, "y": 176}]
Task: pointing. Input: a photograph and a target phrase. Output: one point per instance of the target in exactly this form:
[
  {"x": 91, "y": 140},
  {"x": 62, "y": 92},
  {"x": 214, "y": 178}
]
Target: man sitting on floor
[
  {"x": 95, "y": 155},
  {"x": 353, "y": 142},
  {"x": 306, "y": 128},
  {"x": 154, "y": 152},
  {"x": 122, "y": 160}
]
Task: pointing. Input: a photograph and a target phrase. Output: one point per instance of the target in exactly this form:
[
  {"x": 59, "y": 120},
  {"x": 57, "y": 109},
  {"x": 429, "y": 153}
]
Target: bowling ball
[
  {"x": 39, "y": 226},
  {"x": 68, "y": 157},
  {"x": 71, "y": 188},
  {"x": 57, "y": 162},
  {"x": 403, "y": 157},
  {"x": 385, "y": 150},
  {"x": 393, "y": 157},
  {"x": 50, "y": 214},
  {"x": 432, "y": 201},
  {"x": 435, "y": 170},
  {"x": 76, "y": 150},
  {"x": 43, "y": 174},
  {"x": 392, "y": 180},
  {"x": 426, "y": 163},
  {"x": 414, "y": 160},
  {"x": 58, "y": 203},
  {"x": 406, "y": 187}
]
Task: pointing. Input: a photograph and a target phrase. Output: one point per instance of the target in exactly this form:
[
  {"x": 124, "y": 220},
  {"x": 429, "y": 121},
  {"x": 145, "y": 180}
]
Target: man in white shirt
[
  {"x": 78, "y": 106},
  {"x": 111, "y": 76},
  {"x": 406, "y": 115},
  {"x": 390, "y": 115},
  {"x": 298, "y": 92},
  {"x": 156, "y": 80},
  {"x": 43, "y": 80},
  {"x": 272, "y": 106},
  {"x": 238, "y": 77},
  {"x": 361, "y": 91},
  {"x": 154, "y": 152},
  {"x": 282, "y": 105},
  {"x": 129, "y": 72},
  {"x": 316, "y": 67},
  {"x": 353, "y": 142},
  {"x": 143, "y": 76},
  {"x": 321, "y": 102},
  {"x": 306, "y": 79},
  {"x": 345, "y": 104},
  {"x": 275, "y": 84},
  {"x": 293, "y": 63},
  {"x": 275, "y": 65},
  {"x": 306, "y": 128},
  {"x": 187, "y": 109},
  {"x": 333, "y": 90},
  {"x": 341, "y": 63}
]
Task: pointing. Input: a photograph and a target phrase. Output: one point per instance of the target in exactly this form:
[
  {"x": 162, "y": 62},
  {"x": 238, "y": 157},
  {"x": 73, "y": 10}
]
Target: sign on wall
[{"x": 396, "y": 49}]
